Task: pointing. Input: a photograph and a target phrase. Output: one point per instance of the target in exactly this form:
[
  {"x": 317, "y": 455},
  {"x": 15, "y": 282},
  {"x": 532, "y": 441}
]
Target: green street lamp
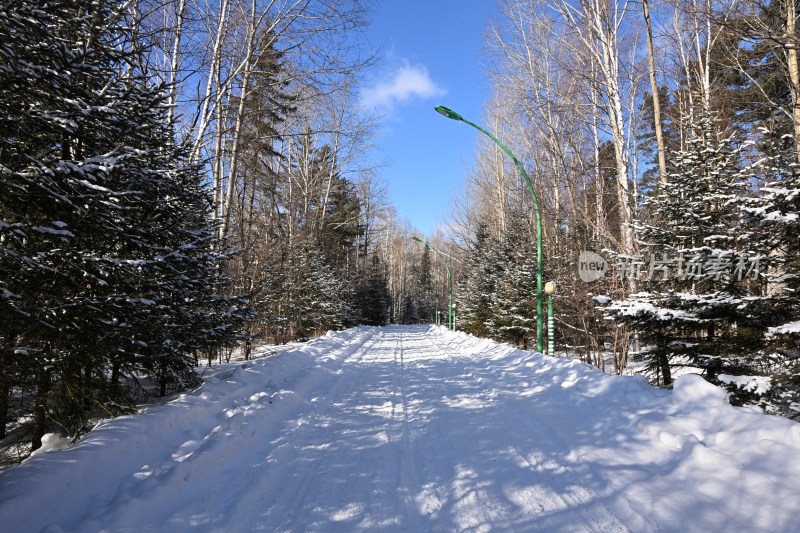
[
  {"x": 450, "y": 321},
  {"x": 449, "y": 113}
]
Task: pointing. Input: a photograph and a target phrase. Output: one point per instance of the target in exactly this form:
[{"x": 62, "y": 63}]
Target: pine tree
[
  {"x": 407, "y": 309},
  {"x": 752, "y": 75},
  {"x": 372, "y": 299},
  {"x": 773, "y": 218},
  {"x": 107, "y": 259},
  {"x": 340, "y": 230},
  {"x": 514, "y": 303},
  {"x": 423, "y": 284},
  {"x": 702, "y": 305},
  {"x": 303, "y": 295},
  {"x": 477, "y": 287}
]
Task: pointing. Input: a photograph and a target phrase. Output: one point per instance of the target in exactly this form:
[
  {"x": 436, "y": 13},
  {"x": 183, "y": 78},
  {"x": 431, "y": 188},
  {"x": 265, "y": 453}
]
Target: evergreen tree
[
  {"x": 477, "y": 287},
  {"x": 303, "y": 295},
  {"x": 340, "y": 229},
  {"x": 269, "y": 297},
  {"x": 703, "y": 305},
  {"x": 267, "y": 104},
  {"x": 407, "y": 309},
  {"x": 497, "y": 298},
  {"x": 749, "y": 63},
  {"x": 105, "y": 228},
  {"x": 773, "y": 220},
  {"x": 314, "y": 298},
  {"x": 514, "y": 302},
  {"x": 423, "y": 284},
  {"x": 372, "y": 299}
]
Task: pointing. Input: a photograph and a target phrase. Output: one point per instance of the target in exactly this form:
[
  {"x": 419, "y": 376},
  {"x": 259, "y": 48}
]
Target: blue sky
[{"x": 431, "y": 55}]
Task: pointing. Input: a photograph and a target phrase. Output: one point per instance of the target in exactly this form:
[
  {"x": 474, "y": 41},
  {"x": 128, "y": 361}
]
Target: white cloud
[{"x": 409, "y": 81}]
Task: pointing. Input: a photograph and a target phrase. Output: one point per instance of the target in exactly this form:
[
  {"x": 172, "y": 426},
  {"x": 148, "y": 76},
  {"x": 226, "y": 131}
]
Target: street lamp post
[
  {"x": 550, "y": 289},
  {"x": 450, "y": 321},
  {"x": 449, "y": 113}
]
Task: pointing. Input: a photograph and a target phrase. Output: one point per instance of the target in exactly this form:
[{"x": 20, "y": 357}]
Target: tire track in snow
[
  {"x": 290, "y": 459},
  {"x": 286, "y": 499},
  {"x": 250, "y": 419},
  {"x": 408, "y": 478}
]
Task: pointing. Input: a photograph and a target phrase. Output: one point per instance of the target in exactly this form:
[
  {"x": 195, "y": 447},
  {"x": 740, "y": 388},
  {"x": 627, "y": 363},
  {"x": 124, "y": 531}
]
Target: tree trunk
[
  {"x": 214, "y": 82},
  {"x": 5, "y": 380},
  {"x": 794, "y": 73},
  {"x": 40, "y": 409},
  {"x": 621, "y": 158},
  {"x": 599, "y": 188},
  {"x": 115, "y": 376},
  {"x": 666, "y": 373},
  {"x": 162, "y": 380},
  {"x": 87, "y": 387},
  {"x": 5, "y": 388},
  {"x": 662, "y": 157},
  {"x": 174, "y": 60}
]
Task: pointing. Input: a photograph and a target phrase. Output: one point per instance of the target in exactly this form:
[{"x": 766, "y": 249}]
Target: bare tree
[
  {"x": 595, "y": 30},
  {"x": 651, "y": 64}
]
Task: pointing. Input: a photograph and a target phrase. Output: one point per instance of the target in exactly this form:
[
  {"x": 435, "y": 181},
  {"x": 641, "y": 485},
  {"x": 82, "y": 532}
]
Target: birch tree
[
  {"x": 651, "y": 67},
  {"x": 595, "y": 30}
]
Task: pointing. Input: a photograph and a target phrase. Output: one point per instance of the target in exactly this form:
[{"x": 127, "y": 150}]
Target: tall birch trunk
[
  {"x": 651, "y": 63},
  {"x": 794, "y": 73},
  {"x": 597, "y": 25},
  {"x": 175, "y": 59},
  {"x": 212, "y": 84}
]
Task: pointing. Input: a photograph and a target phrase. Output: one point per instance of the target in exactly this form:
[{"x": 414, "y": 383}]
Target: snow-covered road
[{"x": 413, "y": 428}]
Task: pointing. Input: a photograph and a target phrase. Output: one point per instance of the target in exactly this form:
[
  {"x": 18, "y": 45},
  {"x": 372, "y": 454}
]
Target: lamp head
[
  {"x": 447, "y": 112},
  {"x": 416, "y": 238},
  {"x": 550, "y": 287}
]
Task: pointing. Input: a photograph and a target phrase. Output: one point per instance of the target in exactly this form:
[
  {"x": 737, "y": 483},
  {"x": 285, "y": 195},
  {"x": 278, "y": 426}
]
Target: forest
[
  {"x": 180, "y": 179},
  {"x": 663, "y": 140}
]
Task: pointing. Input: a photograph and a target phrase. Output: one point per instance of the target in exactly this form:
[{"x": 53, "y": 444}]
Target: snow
[
  {"x": 633, "y": 308},
  {"x": 144, "y": 301},
  {"x": 52, "y": 442},
  {"x": 52, "y": 231},
  {"x": 785, "y": 329},
  {"x": 414, "y": 428},
  {"x": 756, "y": 384}
]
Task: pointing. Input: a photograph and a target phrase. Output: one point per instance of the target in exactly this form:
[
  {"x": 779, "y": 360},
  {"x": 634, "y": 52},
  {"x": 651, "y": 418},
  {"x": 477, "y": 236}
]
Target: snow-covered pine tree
[
  {"x": 514, "y": 304},
  {"x": 423, "y": 288},
  {"x": 106, "y": 255},
  {"x": 406, "y": 309},
  {"x": 268, "y": 298},
  {"x": 497, "y": 298},
  {"x": 773, "y": 221},
  {"x": 477, "y": 287},
  {"x": 309, "y": 297},
  {"x": 32, "y": 64},
  {"x": 700, "y": 303},
  {"x": 372, "y": 298}
]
